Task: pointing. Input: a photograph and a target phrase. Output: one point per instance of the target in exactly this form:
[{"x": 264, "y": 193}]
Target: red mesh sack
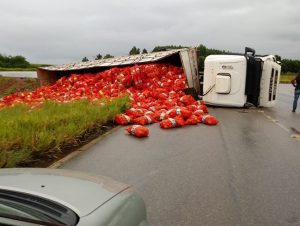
[
  {"x": 173, "y": 95},
  {"x": 140, "y": 98},
  {"x": 209, "y": 120},
  {"x": 138, "y": 131},
  {"x": 150, "y": 113},
  {"x": 177, "y": 76},
  {"x": 160, "y": 115},
  {"x": 193, "y": 120},
  {"x": 198, "y": 113},
  {"x": 137, "y": 81},
  {"x": 172, "y": 123},
  {"x": 203, "y": 108},
  {"x": 187, "y": 99},
  {"x": 162, "y": 96},
  {"x": 180, "y": 104},
  {"x": 134, "y": 112},
  {"x": 139, "y": 105},
  {"x": 127, "y": 81},
  {"x": 146, "y": 93},
  {"x": 201, "y": 102},
  {"x": 192, "y": 107},
  {"x": 122, "y": 119},
  {"x": 183, "y": 112},
  {"x": 143, "y": 120},
  {"x": 170, "y": 103},
  {"x": 152, "y": 108},
  {"x": 179, "y": 84}
]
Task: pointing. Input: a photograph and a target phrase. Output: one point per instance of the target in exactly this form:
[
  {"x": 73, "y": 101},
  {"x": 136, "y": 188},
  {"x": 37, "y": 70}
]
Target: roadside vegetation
[
  {"x": 28, "y": 134},
  {"x": 31, "y": 68},
  {"x": 287, "y": 65},
  {"x": 287, "y": 77},
  {"x": 10, "y": 85},
  {"x": 17, "y": 63}
]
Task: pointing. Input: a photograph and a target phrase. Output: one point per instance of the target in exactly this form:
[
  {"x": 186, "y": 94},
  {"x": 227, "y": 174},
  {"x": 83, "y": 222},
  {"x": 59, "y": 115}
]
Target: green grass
[
  {"x": 287, "y": 77},
  {"x": 9, "y": 85},
  {"x": 24, "y": 132}
]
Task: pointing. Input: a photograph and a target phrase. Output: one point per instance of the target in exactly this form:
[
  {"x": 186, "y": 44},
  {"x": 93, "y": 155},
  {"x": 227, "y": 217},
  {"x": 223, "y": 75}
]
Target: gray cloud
[{"x": 61, "y": 31}]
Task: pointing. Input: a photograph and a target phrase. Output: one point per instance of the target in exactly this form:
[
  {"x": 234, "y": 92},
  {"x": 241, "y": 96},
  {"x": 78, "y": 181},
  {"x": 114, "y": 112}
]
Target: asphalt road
[
  {"x": 245, "y": 171},
  {"x": 19, "y": 74}
]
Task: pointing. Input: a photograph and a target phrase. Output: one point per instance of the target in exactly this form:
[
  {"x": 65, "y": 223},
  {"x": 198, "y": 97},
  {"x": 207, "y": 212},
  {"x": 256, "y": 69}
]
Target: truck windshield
[{"x": 34, "y": 209}]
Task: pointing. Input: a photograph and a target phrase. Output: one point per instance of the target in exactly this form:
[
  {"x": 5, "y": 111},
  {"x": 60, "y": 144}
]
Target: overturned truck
[{"x": 228, "y": 80}]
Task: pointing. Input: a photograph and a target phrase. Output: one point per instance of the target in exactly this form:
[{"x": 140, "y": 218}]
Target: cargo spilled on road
[{"x": 155, "y": 91}]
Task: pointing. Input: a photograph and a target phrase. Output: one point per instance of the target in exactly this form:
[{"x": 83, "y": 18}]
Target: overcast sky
[{"x": 63, "y": 31}]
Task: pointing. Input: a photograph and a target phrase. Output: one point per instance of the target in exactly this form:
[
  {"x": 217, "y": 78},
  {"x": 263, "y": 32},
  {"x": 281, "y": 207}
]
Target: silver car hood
[{"x": 81, "y": 192}]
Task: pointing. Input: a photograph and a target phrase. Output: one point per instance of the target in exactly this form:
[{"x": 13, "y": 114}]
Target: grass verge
[
  {"x": 287, "y": 77},
  {"x": 28, "y": 135},
  {"x": 10, "y": 85}
]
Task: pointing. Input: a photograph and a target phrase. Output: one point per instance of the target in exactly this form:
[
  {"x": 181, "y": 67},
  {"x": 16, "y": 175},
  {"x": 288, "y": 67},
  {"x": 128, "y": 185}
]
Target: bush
[{"x": 13, "y": 62}]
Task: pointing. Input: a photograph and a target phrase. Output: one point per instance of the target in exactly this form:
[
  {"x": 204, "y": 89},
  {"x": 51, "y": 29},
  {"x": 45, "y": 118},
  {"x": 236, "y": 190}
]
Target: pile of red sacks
[{"x": 156, "y": 92}]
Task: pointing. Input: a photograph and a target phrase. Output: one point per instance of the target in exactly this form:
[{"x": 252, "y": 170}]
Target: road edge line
[{"x": 275, "y": 121}]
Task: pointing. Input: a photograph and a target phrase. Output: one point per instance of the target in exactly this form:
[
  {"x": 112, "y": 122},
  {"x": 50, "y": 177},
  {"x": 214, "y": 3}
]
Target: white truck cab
[
  {"x": 224, "y": 80},
  {"x": 269, "y": 81},
  {"x": 240, "y": 80}
]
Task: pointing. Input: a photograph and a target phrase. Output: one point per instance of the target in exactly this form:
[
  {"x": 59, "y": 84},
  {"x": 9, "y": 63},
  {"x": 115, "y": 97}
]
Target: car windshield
[
  {"x": 30, "y": 208},
  {"x": 7, "y": 210},
  {"x": 22, "y": 213}
]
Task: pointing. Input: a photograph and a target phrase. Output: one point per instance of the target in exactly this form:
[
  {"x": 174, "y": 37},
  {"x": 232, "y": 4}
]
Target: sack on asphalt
[
  {"x": 210, "y": 120},
  {"x": 193, "y": 120},
  {"x": 122, "y": 119},
  {"x": 143, "y": 120},
  {"x": 187, "y": 99},
  {"x": 182, "y": 111},
  {"x": 160, "y": 115},
  {"x": 198, "y": 113},
  {"x": 138, "y": 131},
  {"x": 172, "y": 123},
  {"x": 203, "y": 108}
]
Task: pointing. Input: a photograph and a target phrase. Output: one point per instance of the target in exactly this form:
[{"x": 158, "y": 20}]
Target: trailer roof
[{"x": 116, "y": 61}]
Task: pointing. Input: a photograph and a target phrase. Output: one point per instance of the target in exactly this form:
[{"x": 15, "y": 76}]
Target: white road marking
[{"x": 275, "y": 121}]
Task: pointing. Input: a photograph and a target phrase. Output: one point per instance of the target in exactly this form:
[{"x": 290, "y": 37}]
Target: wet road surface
[
  {"x": 19, "y": 74},
  {"x": 245, "y": 171}
]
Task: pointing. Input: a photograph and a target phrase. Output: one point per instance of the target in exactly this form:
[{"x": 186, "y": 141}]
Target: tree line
[
  {"x": 13, "y": 62},
  {"x": 98, "y": 57},
  {"x": 134, "y": 50},
  {"x": 287, "y": 65}
]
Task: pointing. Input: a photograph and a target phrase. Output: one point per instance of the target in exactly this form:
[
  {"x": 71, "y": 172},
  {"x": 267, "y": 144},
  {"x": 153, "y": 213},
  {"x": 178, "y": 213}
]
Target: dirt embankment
[{"x": 10, "y": 85}]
